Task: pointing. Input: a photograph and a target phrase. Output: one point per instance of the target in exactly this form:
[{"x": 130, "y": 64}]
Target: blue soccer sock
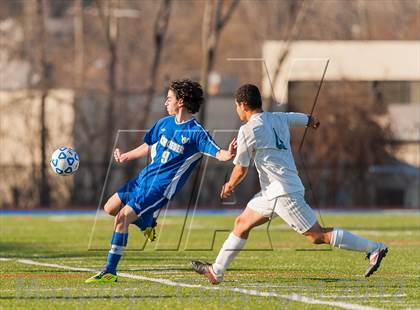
[{"x": 118, "y": 244}]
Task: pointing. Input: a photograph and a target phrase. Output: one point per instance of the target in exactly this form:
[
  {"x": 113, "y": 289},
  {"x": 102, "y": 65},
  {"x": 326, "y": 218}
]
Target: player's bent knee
[
  {"x": 122, "y": 221},
  {"x": 119, "y": 218},
  {"x": 108, "y": 208},
  {"x": 122, "y": 216},
  {"x": 111, "y": 207},
  {"x": 241, "y": 225},
  {"x": 238, "y": 221}
]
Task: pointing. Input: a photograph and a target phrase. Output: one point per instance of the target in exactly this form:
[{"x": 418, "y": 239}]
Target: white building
[
  {"x": 394, "y": 66},
  {"x": 348, "y": 61}
]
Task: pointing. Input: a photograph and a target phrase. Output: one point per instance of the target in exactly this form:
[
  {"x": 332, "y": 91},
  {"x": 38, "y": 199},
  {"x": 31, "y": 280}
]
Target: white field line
[
  {"x": 157, "y": 267},
  {"x": 139, "y": 288},
  {"x": 365, "y": 296},
  {"x": 65, "y": 289},
  {"x": 168, "y": 272},
  {"x": 291, "y": 297}
]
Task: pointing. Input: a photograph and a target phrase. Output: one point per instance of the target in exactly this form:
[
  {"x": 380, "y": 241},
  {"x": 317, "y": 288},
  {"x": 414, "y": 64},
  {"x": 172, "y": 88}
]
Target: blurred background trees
[{"x": 117, "y": 57}]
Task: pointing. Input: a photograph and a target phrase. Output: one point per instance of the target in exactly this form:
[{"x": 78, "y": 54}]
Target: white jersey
[{"x": 266, "y": 139}]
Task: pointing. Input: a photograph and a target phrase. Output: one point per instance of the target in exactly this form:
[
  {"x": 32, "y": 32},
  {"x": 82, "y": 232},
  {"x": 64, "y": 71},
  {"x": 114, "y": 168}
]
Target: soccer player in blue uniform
[{"x": 176, "y": 144}]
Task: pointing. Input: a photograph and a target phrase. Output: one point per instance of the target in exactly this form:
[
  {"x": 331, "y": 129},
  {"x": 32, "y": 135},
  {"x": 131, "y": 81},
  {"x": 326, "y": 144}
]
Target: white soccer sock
[
  {"x": 344, "y": 239},
  {"x": 231, "y": 247}
]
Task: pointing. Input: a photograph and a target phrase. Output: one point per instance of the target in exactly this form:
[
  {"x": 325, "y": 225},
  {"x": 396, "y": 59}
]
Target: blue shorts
[{"x": 141, "y": 200}]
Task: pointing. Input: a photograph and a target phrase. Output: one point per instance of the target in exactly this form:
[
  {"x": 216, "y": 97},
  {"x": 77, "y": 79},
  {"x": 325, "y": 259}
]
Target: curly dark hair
[
  {"x": 190, "y": 92},
  {"x": 250, "y": 95}
]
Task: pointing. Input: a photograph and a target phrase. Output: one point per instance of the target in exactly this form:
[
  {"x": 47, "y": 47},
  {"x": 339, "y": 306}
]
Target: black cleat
[
  {"x": 206, "y": 270},
  {"x": 375, "y": 259}
]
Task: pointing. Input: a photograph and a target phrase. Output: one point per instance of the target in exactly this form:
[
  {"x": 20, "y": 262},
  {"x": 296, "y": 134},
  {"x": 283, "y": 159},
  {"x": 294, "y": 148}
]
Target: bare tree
[
  {"x": 45, "y": 81},
  {"x": 79, "y": 75},
  {"x": 294, "y": 26},
  {"x": 349, "y": 141},
  {"x": 160, "y": 28},
  {"x": 110, "y": 26},
  {"x": 89, "y": 133},
  {"x": 213, "y": 23},
  {"x": 364, "y": 19}
]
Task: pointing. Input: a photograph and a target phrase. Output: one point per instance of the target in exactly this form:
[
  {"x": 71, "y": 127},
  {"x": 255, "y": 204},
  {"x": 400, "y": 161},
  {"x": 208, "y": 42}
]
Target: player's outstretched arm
[
  {"x": 225, "y": 155},
  {"x": 138, "y": 152},
  {"x": 295, "y": 119},
  {"x": 238, "y": 174}
]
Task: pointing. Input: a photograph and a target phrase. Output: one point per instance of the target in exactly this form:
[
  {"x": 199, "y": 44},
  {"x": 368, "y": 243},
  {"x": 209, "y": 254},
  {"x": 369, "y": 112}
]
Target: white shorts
[{"x": 292, "y": 208}]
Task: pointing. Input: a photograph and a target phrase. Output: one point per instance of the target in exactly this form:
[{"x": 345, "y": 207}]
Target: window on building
[
  {"x": 390, "y": 92},
  {"x": 389, "y": 197}
]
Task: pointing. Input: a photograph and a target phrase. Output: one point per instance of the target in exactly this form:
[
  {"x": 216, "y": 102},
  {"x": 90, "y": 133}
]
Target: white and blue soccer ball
[{"x": 64, "y": 161}]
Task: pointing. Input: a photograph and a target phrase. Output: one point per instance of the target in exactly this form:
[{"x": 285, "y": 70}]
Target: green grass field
[{"x": 293, "y": 274}]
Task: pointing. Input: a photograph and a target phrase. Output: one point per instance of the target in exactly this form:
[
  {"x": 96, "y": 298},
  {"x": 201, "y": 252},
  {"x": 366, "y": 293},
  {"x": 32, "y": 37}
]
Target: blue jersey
[{"x": 176, "y": 149}]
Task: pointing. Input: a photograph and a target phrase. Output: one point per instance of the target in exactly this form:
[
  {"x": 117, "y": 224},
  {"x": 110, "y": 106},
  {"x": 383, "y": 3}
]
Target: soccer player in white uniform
[{"x": 265, "y": 138}]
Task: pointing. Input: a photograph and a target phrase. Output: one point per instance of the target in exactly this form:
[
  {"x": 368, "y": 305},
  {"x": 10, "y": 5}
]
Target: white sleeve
[
  {"x": 297, "y": 119},
  {"x": 245, "y": 149}
]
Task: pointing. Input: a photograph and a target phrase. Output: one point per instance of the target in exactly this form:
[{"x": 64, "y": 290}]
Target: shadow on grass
[
  {"x": 330, "y": 280},
  {"x": 393, "y": 228},
  {"x": 155, "y": 269},
  {"x": 313, "y": 250},
  {"x": 23, "y": 273},
  {"x": 26, "y": 250},
  {"x": 81, "y": 297}
]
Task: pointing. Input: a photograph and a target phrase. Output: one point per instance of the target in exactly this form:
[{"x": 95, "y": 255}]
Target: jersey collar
[
  {"x": 184, "y": 122},
  {"x": 255, "y": 115}
]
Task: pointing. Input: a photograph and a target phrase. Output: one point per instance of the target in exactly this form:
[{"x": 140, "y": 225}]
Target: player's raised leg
[
  {"x": 118, "y": 243},
  {"x": 296, "y": 212},
  {"x": 236, "y": 240},
  {"x": 344, "y": 239},
  {"x": 146, "y": 225}
]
